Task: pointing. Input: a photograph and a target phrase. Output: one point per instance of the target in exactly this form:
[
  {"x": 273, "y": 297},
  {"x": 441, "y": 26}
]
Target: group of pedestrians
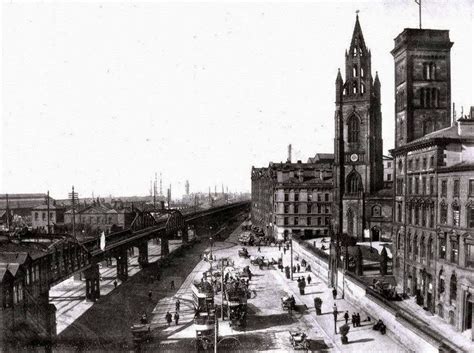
[{"x": 169, "y": 317}]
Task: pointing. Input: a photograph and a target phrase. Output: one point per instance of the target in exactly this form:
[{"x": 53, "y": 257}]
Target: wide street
[{"x": 268, "y": 325}]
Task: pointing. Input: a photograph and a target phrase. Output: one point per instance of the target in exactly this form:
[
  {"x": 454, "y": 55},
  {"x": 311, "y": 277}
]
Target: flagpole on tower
[{"x": 419, "y": 10}]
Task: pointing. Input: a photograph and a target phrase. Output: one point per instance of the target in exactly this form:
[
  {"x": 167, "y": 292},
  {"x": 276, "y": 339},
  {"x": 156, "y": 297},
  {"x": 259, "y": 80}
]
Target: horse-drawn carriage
[
  {"x": 298, "y": 340},
  {"x": 244, "y": 253},
  {"x": 141, "y": 332},
  {"x": 288, "y": 302}
]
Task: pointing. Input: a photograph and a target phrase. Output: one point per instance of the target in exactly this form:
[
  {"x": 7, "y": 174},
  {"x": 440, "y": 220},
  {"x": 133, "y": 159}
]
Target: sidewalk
[{"x": 360, "y": 338}]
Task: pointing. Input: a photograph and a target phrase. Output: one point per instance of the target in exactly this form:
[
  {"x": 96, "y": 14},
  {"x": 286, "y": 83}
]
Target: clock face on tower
[{"x": 354, "y": 157}]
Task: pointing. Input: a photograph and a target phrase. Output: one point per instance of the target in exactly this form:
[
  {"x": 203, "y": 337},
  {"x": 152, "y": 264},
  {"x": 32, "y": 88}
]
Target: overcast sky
[{"x": 103, "y": 95}]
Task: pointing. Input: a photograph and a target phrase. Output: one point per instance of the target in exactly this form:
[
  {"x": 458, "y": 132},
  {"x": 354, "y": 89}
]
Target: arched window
[
  {"x": 422, "y": 246},
  {"x": 353, "y": 129},
  {"x": 453, "y": 288},
  {"x": 376, "y": 211},
  {"x": 362, "y": 72},
  {"x": 399, "y": 241},
  {"x": 350, "y": 222},
  {"x": 354, "y": 70},
  {"x": 354, "y": 183},
  {"x": 354, "y": 87},
  {"x": 362, "y": 88},
  {"x": 440, "y": 283}
]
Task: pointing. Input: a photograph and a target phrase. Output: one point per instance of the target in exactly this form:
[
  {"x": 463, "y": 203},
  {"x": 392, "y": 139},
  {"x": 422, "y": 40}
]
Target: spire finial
[{"x": 357, "y": 13}]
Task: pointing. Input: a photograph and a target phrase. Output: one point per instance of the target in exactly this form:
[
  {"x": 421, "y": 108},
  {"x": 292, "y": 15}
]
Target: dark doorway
[
  {"x": 468, "y": 311},
  {"x": 375, "y": 234},
  {"x": 308, "y": 233}
]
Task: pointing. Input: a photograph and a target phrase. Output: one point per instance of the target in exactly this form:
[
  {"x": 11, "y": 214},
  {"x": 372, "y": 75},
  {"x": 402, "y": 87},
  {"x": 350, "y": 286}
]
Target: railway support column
[
  {"x": 122, "y": 264},
  {"x": 143, "y": 253},
  {"x": 165, "y": 246},
  {"x": 92, "y": 276}
]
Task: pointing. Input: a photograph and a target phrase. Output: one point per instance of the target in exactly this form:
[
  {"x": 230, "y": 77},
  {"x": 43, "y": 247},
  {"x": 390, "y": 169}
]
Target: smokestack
[{"x": 289, "y": 153}]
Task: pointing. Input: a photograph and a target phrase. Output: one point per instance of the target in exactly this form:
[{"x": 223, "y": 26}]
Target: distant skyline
[{"x": 103, "y": 95}]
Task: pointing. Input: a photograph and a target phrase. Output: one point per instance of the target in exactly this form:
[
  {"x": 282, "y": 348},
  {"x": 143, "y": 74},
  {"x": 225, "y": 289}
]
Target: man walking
[
  {"x": 178, "y": 304},
  {"x": 298, "y": 268},
  {"x": 334, "y": 293},
  {"x": 176, "y": 318},
  {"x": 168, "y": 318},
  {"x": 346, "y": 317},
  {"x": 309, "y": 280},
  {"x": 334, "y": 312}
]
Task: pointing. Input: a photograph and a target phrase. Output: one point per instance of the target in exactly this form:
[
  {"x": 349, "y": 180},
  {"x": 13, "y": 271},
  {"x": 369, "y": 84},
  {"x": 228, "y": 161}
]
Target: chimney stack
[{"x": 289, "y": 153}]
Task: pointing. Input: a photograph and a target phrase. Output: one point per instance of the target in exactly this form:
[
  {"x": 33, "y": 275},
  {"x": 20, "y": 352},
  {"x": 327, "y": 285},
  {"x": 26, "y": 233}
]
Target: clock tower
[{"x": 358, "y": 138}]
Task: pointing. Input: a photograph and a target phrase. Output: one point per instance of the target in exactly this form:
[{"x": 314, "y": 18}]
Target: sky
[{"x": 103, "y": 95}]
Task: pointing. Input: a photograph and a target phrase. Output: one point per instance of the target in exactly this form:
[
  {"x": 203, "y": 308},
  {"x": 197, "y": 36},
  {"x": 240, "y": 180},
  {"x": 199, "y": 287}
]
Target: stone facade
[
  {"x": 434, "y": 183},
  {"x": 359, "y": 175},
  {"x": 293, "y": 198}
]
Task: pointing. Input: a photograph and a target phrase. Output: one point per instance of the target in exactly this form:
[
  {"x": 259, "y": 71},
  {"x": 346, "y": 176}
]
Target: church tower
[{"x": 358, "y": 137}]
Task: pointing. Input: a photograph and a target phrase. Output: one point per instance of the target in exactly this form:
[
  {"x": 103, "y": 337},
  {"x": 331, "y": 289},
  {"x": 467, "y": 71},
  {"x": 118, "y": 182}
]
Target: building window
[
  {"x": 410, "y": 183},
  {"x": 308, "y": 221},
  {"x": 423, "y": 215},
  {"x": 415, "y": 246},
  {"x": 431, "y": 185},
  {"x": 389, "y": 177},
  {"x": 399, "y": 211},
  {"x": 454, "y": 250},
  {"x": 326, "y": 197},
  {"x": 353, "y": 129},
  {"x": 432, "y": 216},
  {"x": 430, "y": 249},
  {"x": 443, "y": 213},
  {"x": 409, "y": 209},
  {"x": 417, "y": 164},
  {"x": 319, "y": 221},
  {"x": 43, "y": 214},
  {"x": 441, "y": 285},
  {"x": 362, "y": 88},
  {"x": 470, "y": 255},
  {"x": 400, "y": 165},
  {"x": 361, "y": 71},
  {"x": 354, "y": 88},
  {"x": 310, "y": 196},
  {"x": 389, "y": 164},
  {"x": 456, "y": 215},
  {"x": 470, "y": 216},
  {"x": 297, "y": 196},
  {"x": 444, "y": 188},
  {"x": 296, "y": 221},
  {"x": 432, "y": 163},
  {"x": 295, "y": 209},
  {"x": 417, "y": 185},
  {"x": 309, "y": 206},
  {"x": 424, "y": 163},
  {"x": 429, "y": 71},
  {"x": 422, "y": 247},
  {"x": 287, "y": 197},
  {"x": 36, "y": 216},
  {"x": 319, "y": 209},
  {"x": 442, "y": 247},
  {"x": 350, "y": 222},
  {"x": 471, "y": 187},
  {"x": 354, "y": 183},
  {"x": 409, "y": 245},
  {"x": 286, "y": 209},
  {"x": 354, "y": 70},
  {"x": 423, "y": 185},
  {"x": 285, "y": 221},
  {"x": 453, "y": 288},
  {"x": 456, "y": 188},
  {"x": 376, "y": 211},
  {"x": 399, "y": 186}
]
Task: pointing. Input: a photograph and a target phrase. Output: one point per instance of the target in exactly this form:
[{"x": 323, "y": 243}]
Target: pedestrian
[
  {"x": 178, "y": 304},
  {"x": 149, "y": 294},
  {"x": 284, "y": 250},
  {"x": 176, "y": 317},
  {"x": 172, "y": 285},
  {"x": 298, "y": 268},
  {"x": 279, "y": 246},
  {"x": 304, "y": 280},
  {"x": 258, "y": 249},
  {"x": 346, "y": 316},
  {"x": 309, "y": 280},
  {"x": 298, "y": 280},
  {"x": 168, "y": 318},
  {"x": 115, "y": 283},
  {"x": 294, "y": 269},
  {"x": 334, "y": 293},
  {"x": 354, "y": 320},
  {"x": 358, "y": 319}
]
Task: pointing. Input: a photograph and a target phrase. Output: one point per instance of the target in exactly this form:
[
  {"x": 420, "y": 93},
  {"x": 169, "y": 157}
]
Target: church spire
[{"x": 357, "y": 47}]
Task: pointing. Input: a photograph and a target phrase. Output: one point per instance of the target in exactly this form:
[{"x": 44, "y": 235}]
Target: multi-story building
[
  {"x": 361, "y": 202},
  {"x": 293, "y": 198},
  {"x": 39, "y": 217},
  {"x": 434, "y": 181},
  {"x": 387, "y": 172}
]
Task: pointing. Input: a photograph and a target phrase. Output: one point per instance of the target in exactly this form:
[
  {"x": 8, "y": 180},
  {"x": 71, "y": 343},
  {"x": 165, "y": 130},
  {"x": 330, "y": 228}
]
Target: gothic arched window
[
  {"x": 354, "y": 183},
  {"x": 353, "y": 129},
  {"x": 350, "y": 222},
  {"x": 354, "y": 88},
  {"x": 354, "y": 70},
  {"x": 453, "y": 288},
  {"x": 362, "y": 88}
]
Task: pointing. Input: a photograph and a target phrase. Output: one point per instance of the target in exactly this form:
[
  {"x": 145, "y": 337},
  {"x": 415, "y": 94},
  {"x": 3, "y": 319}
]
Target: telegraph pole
[
  {"x": 419, "y": 10},
  {"x": 47, "y": 203},
  {"x": 8, "y": 214}
]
